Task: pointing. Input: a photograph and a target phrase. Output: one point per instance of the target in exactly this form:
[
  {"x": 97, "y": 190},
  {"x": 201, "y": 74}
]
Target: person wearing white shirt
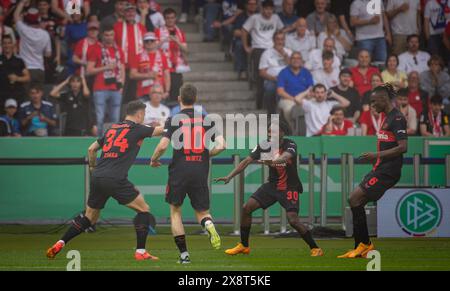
[
  {"x": 372, "y": 31},
  {"x": 413, "y": 60},
  {"x": 315, "y": 61},
  {"x": 343, "y": 42},
  {"x": 404, "y": 16},
  {"x": 261, "y": 27},
  {"x": 35, "y": 43},
  {"x": 155, "y": 112},
  {"x": 272, "y": 61},
  {"x": 303, "y": 40},
  {"x": 328, "y": 76},
  {"x": 317, "y": 107},
  {"x": 434, "y": 24}
]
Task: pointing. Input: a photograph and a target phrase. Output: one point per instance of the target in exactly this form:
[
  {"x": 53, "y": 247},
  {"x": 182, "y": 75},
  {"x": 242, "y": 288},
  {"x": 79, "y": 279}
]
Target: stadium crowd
[{"x": 67, "y": 67}]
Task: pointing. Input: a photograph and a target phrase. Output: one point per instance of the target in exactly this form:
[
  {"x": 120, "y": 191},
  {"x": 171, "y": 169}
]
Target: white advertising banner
[{"x": 414, "y": 213}]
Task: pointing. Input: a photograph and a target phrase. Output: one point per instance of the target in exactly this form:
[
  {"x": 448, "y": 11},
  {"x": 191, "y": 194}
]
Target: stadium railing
[{"x": 346, "y": 161}]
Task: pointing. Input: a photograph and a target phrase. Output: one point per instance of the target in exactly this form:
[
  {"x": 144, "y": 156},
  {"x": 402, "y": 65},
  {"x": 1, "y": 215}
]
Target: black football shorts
[
  {"x": 268, "y": 194},
  {"x": 196, "y": 187},
  {"x": 376, "y": 183},
  {"x": 102, "y": 188}
]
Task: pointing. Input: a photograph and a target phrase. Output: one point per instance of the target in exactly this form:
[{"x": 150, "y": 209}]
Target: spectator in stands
[
  {"x": 174, "y": 46},
  {"x": 341, "y": 8},
  {"x": 434, "y": 122},
  {"x": 317, "y": 20},
  {"x": 292, "y": 81},
  {"x": 371, "y": 122},
  {"x": 317, "y": 107},
  {"x": 129, "y": 36},
  {"x": 434, "y": 25},
  {"x": 436, "y": 81},
  {"x": 74, "y": 32},
  {"x": 362, "y": 73},
  {"x": 74, "y": 94},
  {"x": 37, "y": 116},
  {"x": 151, "y": 68},
  {"x": 59, "y": 7},
  {"x": 328, "y": 75},
  {"x": 107, "y": 63},
  {"x": 52, "y": 25},
  {"x": 288, "y": 16},
  {"x": 229, "y": 10},
  {"x": 155, "y": 112},
  {"x": 372, "y": 31},
  {"x": 304, "y": 7},
  {"x": 12, "y": 123},
  {"x": 185, "y": 5},
  {"x": 417, "y": 98},
  {"x": 402, "y": 104},
  {"x": 118, "y": 15},
  {"x": 273, "y": 60},
  {"x": 6, "y": 30},
  {"x": 103, "y": 8},
  {"x": 84, "y": 46},
  {"x": 404, "y": 16},
  {"x": 35, "y": 43},
  {"x": 337, "y": 124},
  {"x": 345, "y": 90},
  {"x": 315, "y": 59},
  {"x": 240, "y": 56},
  {"x": 393, "y": 75},
  {"x": 13, "y": 73},
  {"x": 343, "y": 42},
  {"x": 413, "y": 60},
  {"x": 261, "y": 27},
  {"x": 375, "y": 81},
  {"x": 149, "y": 18},
  {"x": 302, "y": 40}
]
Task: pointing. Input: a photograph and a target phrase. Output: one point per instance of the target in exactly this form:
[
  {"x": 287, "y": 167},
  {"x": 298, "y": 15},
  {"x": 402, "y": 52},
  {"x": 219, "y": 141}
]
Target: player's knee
[
  {"x": 144, "y": 207},
  {"x": 247, "y": 209},
  {"x": 354, "y": 201},
  {"x": 292, "y": 219}
]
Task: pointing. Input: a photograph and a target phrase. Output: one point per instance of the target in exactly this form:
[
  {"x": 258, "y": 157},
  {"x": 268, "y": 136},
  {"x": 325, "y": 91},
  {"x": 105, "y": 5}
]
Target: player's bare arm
[
  {"x": 219, "y": 147},
  {"x": 390, "y": 153},
  {"x": 241, "y": 167},
  {"x": 158, "y": 131},
  {"x": 92, "y": 154},
  {"x": 159, "y": 151}
]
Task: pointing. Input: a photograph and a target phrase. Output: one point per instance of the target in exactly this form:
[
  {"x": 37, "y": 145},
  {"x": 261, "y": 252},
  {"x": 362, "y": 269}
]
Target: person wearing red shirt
[
  {"x": 417, "y": 98},
  {"x": 337, "y": 124},
  {"x": 173, "y": 44},
  {"x": 150, "y": 68},
  {"x": 106, "y": 62},
  {"x": 84, "y": 46},
  {"x": 129, "y": 36},
  {"x": 371, "y": 122},
  {"x": 362, "y": 73}
]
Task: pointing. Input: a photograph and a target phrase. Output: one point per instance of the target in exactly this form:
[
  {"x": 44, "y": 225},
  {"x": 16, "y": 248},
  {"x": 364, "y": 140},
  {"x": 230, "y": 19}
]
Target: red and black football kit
[
  {"x": 387, "y": 171},
  {"x": 188, "y": 171},
  {"x": 120, "y": 147},
  {"x": 284, "y": 184}
]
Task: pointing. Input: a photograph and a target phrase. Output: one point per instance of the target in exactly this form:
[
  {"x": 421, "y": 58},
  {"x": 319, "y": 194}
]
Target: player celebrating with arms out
[
  {"x": 283, "y": 186},
  {"x": 391, "y": 145},
  {"x": 120, "y": 146},
  {"x": 188, "y": 172}
]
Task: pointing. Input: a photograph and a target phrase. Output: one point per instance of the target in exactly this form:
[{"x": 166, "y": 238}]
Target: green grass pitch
[{"x": 112, "y": 248}]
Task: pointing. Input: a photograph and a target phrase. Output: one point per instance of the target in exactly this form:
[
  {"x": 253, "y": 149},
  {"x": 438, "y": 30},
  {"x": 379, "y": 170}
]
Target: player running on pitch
[
  {"x": 188, "y": 172},
  {"x": 392, "y": 144},
  {"x": 120, "y": 146},
  {"x": 283, "y": 186}
]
